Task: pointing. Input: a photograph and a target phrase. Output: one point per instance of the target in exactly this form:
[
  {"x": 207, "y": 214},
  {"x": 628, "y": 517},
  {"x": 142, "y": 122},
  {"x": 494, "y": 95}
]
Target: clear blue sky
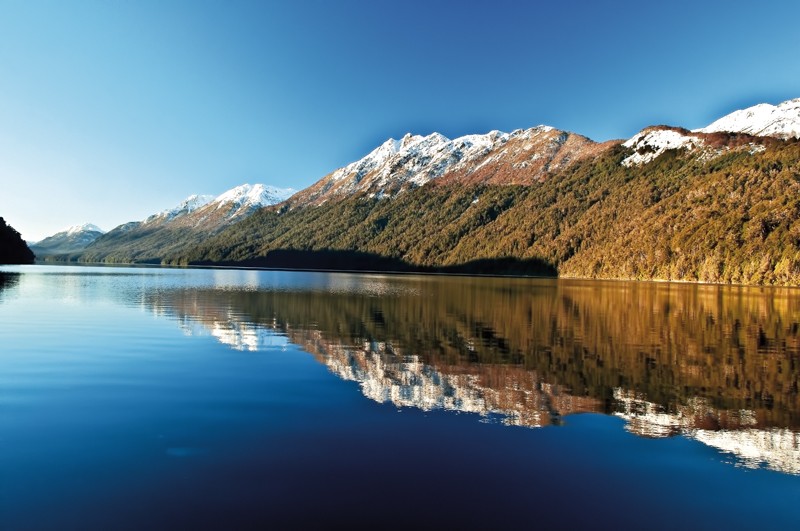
[{"x": 112, "y": 110}]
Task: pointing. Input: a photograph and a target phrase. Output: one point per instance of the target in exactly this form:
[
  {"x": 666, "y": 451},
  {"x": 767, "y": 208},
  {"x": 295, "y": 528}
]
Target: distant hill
[
  {"x": 71, "y": 240},
  {"x": 187, "y": 224},
  {"x": 13, "y": 249}
]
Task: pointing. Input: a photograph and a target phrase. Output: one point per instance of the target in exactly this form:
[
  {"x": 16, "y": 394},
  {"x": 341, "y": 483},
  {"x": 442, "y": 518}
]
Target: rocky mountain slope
[{"x": 520, "y": 157}]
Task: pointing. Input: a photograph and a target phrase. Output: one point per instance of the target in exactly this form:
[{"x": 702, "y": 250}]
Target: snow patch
[{"x": 651, "y": 143}]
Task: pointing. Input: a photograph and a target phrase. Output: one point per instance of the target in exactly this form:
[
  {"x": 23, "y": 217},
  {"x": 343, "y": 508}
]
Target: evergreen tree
[{"x": 13, "y": 249}]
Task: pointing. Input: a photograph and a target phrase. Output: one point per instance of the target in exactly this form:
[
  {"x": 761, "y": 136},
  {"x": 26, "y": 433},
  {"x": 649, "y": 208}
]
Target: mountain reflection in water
[
  {"x": 7, "y": 280},
  {"x": 716, "y": 364}
]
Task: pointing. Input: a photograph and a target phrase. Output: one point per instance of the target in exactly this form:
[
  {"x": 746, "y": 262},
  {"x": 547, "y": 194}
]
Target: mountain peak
[
  {"x": 524, "y": 156},
  {"x": 86, "y": 227},
  {"x": 407, "y": 139},
  {"x": 190, "y": 204},
  {"x": 764, "y": 119},
  {"x": 238, "y": 201},
  {"x": 70, "y": 240},
  {"x": 253, "y": 195}
]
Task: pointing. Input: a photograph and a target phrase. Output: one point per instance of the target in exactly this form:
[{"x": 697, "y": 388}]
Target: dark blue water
[{"x": 139, "y": 398}]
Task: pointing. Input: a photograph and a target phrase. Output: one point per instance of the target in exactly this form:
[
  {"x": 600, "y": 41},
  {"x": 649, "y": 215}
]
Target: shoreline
[{"x": 245, "y": 267}]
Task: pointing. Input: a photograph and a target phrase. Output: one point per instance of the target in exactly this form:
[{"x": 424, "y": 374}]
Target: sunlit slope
[{"x": 724, "y": 213}]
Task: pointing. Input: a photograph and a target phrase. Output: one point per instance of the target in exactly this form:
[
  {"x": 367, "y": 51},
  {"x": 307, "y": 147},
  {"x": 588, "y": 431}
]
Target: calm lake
[{"x": 142, "y": 398}]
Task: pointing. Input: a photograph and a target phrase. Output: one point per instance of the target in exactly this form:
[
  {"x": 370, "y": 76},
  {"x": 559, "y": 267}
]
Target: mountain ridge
[
  {"x": 215, "y": 211},
  {"x": 415, "y": 160},
  {"x": 192, "y": 219},
  {"x": 721, "y": 213},
  {"x": 70, "y": 240},
  {"x": 668, "y": 204}
]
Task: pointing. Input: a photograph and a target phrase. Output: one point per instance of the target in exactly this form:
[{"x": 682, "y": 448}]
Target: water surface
[{"x": 152, "y": 398}]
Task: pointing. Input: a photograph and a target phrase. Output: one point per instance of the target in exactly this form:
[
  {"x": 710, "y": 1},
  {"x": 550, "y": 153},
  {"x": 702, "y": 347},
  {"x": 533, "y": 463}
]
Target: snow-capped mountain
[
  {"x": 755, "y": 124},
  {"x": 247, "y": 197},
  {"x": 71, "y": 240},
  {"x": 531, "y": 155},
  {"x": 86, "y": 227},
  {"x": 779, "y": 121},
  {"x": 190, "y": 204},
  {"x": 520, "y": 157},
  {"x": 213, "y": 211},
  {"x": 189, "y": 222},
  {"x": 527, "y": 157},
  {"x": 652, "y": 142}
]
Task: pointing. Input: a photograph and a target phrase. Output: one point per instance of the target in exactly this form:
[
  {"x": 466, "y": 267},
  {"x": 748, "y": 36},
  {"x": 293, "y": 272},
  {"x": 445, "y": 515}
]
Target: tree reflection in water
[{"x": 718, "y": 364}]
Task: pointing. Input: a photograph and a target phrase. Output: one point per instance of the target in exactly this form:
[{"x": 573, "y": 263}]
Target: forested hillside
[
  {"x": 13, "y": 249},
  {"x": 718, "y": 204},
  {"x": 730, "y": 217}
]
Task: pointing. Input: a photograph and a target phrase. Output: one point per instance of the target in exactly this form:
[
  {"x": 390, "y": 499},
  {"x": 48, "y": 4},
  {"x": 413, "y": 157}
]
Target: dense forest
[
  {"x": 13, "y": 249},
  {"x": 733, "y": 217}
]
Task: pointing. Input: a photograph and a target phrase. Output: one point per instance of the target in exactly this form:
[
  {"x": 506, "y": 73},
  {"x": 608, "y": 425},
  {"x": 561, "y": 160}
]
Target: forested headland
[{"x": 13, "y": 249}]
